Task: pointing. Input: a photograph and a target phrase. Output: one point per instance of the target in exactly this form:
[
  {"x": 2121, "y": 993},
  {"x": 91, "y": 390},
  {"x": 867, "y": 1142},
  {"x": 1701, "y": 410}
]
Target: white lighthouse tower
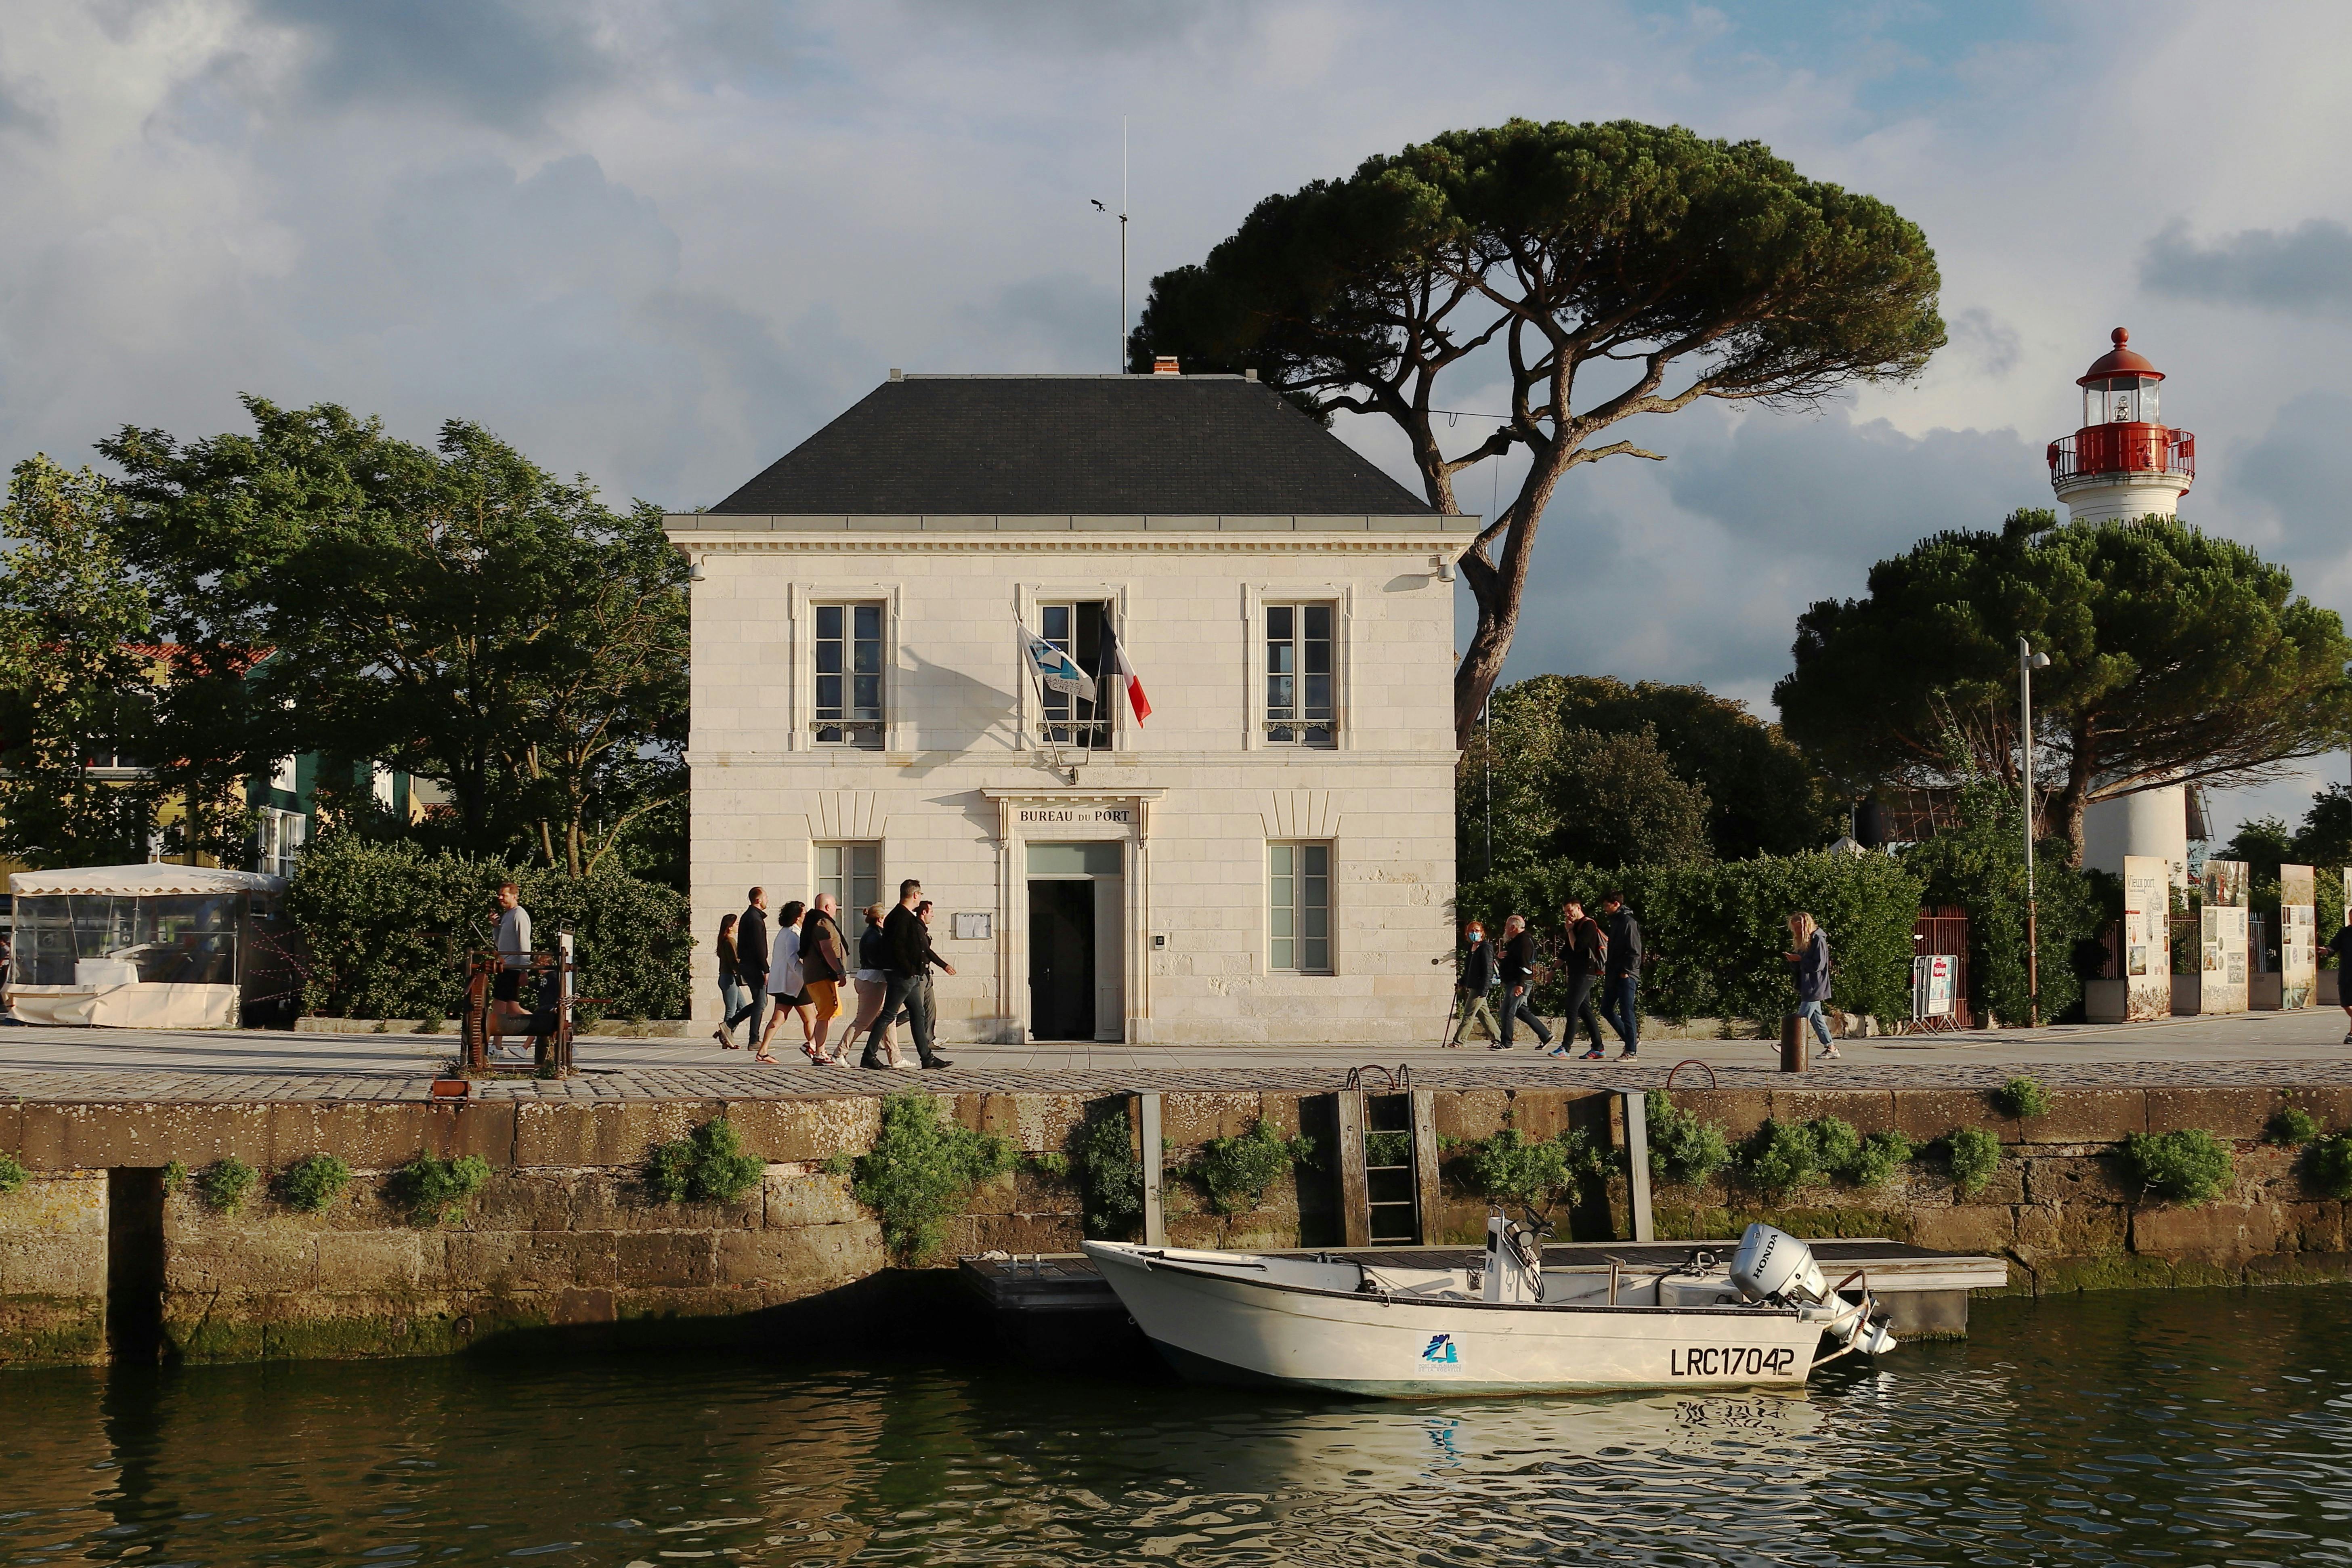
[{"x": 2120, "y": 466}]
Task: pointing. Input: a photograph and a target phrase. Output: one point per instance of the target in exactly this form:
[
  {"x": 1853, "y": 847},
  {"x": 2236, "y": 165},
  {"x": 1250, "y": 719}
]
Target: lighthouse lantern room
[{"x": 2122, "y": 465}]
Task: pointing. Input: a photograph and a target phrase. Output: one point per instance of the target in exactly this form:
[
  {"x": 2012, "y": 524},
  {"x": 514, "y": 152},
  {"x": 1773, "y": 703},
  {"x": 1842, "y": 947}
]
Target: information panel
[
  {"x": 2298, "y": 935},
  {"x": 2222, "y": 975},
  {"x": 2147, "y": 937}
]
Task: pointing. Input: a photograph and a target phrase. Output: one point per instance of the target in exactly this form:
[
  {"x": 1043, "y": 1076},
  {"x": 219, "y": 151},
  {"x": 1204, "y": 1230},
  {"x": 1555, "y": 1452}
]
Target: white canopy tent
[{"x": 141, "y": 947}]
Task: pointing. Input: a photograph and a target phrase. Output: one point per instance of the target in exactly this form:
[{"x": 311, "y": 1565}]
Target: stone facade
[{"x": 963, "y": 783}]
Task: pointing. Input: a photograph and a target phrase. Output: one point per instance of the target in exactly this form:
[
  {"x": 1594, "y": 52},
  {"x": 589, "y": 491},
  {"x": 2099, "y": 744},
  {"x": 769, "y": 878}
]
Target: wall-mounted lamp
[
  {"x": 1445, "y": 572},
  {"x": 694, "y": 573}
]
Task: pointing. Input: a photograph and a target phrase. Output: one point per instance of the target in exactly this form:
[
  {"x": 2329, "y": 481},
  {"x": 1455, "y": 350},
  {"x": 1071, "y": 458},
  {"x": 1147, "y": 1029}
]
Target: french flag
[{"x": 1115, "y": 667}]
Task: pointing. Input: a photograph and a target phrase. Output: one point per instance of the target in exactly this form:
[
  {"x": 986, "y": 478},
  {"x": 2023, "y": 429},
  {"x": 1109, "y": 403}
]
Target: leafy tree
[
  {"x": 1564, "y": 793},
  {"x": 1980, "y": 864},
  {"x": 78, "y": 675},
  {"x": 453, "y": 612},
  {"x": 2325, "y": 837},
  {"x": 2175, "y": 657},
  {"x": 2264, "y": 844},
  {"x": 1668, "y": 267}
]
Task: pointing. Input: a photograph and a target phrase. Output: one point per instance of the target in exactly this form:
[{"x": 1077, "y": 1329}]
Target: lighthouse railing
[{"x": 2123, "y": 448}]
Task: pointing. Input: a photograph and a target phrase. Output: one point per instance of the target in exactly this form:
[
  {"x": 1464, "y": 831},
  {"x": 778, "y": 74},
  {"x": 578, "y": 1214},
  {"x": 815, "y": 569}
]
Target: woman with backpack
[{"x": 1812, "y": 960}]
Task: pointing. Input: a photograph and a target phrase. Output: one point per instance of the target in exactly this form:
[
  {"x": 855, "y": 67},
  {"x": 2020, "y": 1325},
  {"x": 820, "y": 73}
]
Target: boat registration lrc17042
[{"x": 1730, "y": 1361}]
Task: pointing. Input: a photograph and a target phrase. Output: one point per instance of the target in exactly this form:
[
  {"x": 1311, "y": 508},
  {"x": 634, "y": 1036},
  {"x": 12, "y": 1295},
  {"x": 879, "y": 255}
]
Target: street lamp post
[{"x": 2028, "y": 661}]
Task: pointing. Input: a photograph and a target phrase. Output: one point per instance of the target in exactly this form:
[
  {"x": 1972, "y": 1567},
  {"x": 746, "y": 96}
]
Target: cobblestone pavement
[{"x": 91, "y": 1065}]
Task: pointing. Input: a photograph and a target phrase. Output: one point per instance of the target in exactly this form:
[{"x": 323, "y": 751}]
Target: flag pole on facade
[
  {"x": 1119, "y": 675},
  {"x": 1052, "y": 670}
]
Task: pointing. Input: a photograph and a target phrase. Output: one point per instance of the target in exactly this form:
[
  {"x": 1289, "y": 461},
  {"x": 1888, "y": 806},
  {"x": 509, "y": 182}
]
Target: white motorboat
[{"x": 1505, "y": 1325}]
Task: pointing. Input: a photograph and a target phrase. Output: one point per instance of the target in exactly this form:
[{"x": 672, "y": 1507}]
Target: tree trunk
[{"x": 2074, "y": 796}]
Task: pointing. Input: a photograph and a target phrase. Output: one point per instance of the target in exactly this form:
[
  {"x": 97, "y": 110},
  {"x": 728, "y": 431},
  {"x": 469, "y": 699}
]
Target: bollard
[{"x": 1793, "y": 1036}]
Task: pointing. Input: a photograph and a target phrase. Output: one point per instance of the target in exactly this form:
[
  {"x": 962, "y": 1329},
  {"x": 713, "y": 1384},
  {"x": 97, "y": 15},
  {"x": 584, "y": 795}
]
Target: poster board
[
  {"x": 2222, "y": 973},
  {"x": 2298, "y": 936},
  {"x": 2147, "y": 937},
  {"x": 1932, "y": 989}
]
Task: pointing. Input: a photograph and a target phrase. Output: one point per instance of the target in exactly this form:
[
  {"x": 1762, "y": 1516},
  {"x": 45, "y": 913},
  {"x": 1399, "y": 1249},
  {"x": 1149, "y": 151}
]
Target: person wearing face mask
[{"x": 1479, "y": 976}]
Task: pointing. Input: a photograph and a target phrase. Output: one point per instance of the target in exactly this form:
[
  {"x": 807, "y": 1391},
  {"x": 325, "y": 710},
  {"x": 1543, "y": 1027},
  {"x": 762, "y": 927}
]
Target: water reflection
[{"x": 2187, "y": 1428}]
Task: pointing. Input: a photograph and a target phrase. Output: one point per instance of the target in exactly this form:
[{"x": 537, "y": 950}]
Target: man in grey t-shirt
[{"x": 514, "y": 959}]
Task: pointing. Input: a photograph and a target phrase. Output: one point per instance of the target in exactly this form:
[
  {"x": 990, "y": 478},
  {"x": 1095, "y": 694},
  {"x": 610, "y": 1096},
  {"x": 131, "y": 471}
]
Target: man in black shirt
[
  {"x": 751, "y": 965},
  {"x": 2341, "y": 947},
  {"x": 1518, "y": 981},
  {"x": 910, "y": 946},
  {"x": 1620, "y": 976}
]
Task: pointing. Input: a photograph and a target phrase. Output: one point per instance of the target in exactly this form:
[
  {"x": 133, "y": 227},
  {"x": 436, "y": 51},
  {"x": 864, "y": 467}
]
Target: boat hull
[{"x": 1217, "y": 1327}]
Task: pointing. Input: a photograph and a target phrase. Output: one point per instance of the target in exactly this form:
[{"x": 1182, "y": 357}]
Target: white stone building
[{"x": 1267, "y": 856}]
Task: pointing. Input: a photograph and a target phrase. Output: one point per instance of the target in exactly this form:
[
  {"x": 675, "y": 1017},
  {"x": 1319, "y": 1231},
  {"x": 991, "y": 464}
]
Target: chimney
[{"x": 1165, "y": 364}]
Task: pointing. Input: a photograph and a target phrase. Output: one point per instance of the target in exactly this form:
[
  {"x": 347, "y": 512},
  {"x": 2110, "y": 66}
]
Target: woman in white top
[{"x": 786, "y": 982}]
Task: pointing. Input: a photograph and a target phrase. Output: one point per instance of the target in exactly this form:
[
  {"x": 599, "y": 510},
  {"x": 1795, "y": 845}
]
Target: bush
[
  {"x": 175, "y": 1177},
  {"x": 2023, "y": 1096},
  {"x": 1980, "y": 865},
  {"x": 1682, "y": 1149},
  {"x": 1973, "y": 1155},
  {"x": 1881, "y": 1154},
  {"x": 2327, "y": 1165},
  {"x": 1110, "y": 1177},
  {"x": 387, "y": 928},
  {"x": 225, "y": 1185},
  {"x": 2190, "y": 1167},
  {"x": 1718, "y": 931},
  {"x": 707, "y": 1166},
  {"x": 920, "y": 1172},
  {"x": 1533, "y": 1172},
  {"x": 12, "y": 1174},
  {"x": 2292, "y": 1126},
  {"x": 435, "y": 1192},
  {"x": 309, "y": 1185},
  {"x": 1235, "y": 1172},
  {"x": 1778, "y": 1157}
]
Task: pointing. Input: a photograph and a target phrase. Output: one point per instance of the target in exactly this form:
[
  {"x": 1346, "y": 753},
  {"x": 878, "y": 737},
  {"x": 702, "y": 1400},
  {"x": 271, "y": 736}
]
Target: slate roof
[{"x": 1083, "y": 445}]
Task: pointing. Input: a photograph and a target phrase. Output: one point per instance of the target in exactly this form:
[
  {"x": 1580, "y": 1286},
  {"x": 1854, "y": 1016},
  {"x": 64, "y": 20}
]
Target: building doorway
[{"x": 1077, "y": 899}]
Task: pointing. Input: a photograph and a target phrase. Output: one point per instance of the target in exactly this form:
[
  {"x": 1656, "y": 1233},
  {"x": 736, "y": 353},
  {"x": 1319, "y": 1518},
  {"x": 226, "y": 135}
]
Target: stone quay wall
[{"x": 565, "y": 1239}]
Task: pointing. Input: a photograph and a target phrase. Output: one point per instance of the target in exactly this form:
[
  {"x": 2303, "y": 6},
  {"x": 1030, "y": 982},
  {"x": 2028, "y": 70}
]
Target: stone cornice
[
  {"x": 1072, "y": 545},
  {"x": 894, "y": 763}
]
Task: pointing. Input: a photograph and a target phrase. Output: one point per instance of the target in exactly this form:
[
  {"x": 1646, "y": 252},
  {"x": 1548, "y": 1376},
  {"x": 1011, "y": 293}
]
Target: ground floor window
[
  {"x": 852, "y": 873},
  {"x": 277, "y": 841},
  {"x": 1299, "y": 907}
]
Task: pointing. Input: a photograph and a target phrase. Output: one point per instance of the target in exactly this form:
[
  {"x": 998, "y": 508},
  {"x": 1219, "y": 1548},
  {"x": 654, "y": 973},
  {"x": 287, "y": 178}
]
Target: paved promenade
[{"x": 51, "y": 1065}]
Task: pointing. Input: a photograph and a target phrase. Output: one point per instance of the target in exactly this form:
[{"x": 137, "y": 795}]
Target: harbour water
[{"x": 2170, "y": 1427}]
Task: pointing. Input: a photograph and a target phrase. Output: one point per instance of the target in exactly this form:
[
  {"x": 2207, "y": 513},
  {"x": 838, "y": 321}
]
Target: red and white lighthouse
[{"x": 2122, "y": 465}]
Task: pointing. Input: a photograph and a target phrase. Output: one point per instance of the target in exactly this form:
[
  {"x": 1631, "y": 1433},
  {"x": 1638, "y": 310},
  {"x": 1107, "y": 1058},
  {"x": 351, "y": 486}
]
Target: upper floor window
[
  {"x": 277, "y": 840},
  {"x": 1300, "y": 692},
  {"x": 1068, "y": 720},
  {"x": 849, "y": 674}
]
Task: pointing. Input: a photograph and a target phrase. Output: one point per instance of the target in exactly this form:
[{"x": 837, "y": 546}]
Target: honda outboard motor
[
  {"x": 1513, "y": 1262},
  {"x": 1771, "y": 1264}
]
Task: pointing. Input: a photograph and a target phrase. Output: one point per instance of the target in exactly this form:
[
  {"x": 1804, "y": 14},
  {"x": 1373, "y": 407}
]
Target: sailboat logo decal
[{"x": 1441, "y": 1349}]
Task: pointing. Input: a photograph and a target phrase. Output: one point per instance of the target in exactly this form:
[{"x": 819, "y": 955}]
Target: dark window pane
[
  {"x": 1319, "y": 622},
  {"x": 869, "y": 657},
  {"x": 1058, "y": 626},
  {"x": 828, "y": 621},
  {"x": 869, "y": 696},
  {"x": 869, "y": 622},
  {"x": 828, "y": 696},
  {"x": 828, "y": 659},
  {"x": 1278, "y": 623},
  {"x": 1318, "y": 696}
]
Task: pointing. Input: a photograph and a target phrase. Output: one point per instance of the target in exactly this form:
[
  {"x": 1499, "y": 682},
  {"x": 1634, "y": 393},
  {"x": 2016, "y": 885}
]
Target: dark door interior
[{"x": 1062, "y": 961}]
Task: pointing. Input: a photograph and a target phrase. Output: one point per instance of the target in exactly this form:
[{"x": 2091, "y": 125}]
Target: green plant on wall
[
  {"x": 2328, "y": 1164},
  {"x": 1972, "y": 1154},
  {"x": 1533, "y": 1172},
  {"x": 225, "y": 1183},
  {"x": 2292, "y": 1126},
  {"x": 435, "y": 1192},
  {"x": 175, "y": 1177},
  {"x": 920, "y": 1172},
  {"x": 2189, "y": 1166},
  {"x": 1236, "y": 1171},
  {"x": 1781, "y": 1156},
  {"x": 2023, "y": 1096},
  {"x": 707, "y": 1166},
  {"x": 310, "y": 1184},
  {"x": 1682, "y": 1149},
  {"x": 13, "y": 1174},
  {"x": 1110, "y": 1177}
]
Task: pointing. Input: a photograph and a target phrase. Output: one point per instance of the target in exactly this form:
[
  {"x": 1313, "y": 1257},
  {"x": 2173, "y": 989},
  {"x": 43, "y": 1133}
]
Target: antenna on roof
[{"x": 1122, "y": 241}]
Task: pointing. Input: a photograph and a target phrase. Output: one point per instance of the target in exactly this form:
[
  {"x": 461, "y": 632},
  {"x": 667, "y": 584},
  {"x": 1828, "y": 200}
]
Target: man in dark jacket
[
  {"x": 751, "y": 963},
  {"x": 1586, "y": 964},
  {"x": 1518, "y": 981},
  {"x": 1621, "y": 976},
  {"x": 1479, "y": 976},
  {"x": 910, "y": 957}
]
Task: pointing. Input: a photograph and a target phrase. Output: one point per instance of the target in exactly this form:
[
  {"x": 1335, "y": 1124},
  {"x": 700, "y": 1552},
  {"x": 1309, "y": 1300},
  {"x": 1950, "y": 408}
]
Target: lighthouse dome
[{"x": 2120, "y": 360}]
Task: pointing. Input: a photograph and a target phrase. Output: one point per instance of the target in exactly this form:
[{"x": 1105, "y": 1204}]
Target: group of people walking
[
  {"x": 1600, "y": 960},
  {"x": 799, "y": 970}
]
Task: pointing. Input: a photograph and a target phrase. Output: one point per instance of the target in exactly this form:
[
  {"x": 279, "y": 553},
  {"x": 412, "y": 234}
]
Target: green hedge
[
  {"x": 387, "y": 928},
  {"x": 1718, "y": 931}
]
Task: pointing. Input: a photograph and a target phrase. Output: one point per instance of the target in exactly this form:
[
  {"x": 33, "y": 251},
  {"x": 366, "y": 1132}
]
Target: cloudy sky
[{"x": 661, "y": 243}]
